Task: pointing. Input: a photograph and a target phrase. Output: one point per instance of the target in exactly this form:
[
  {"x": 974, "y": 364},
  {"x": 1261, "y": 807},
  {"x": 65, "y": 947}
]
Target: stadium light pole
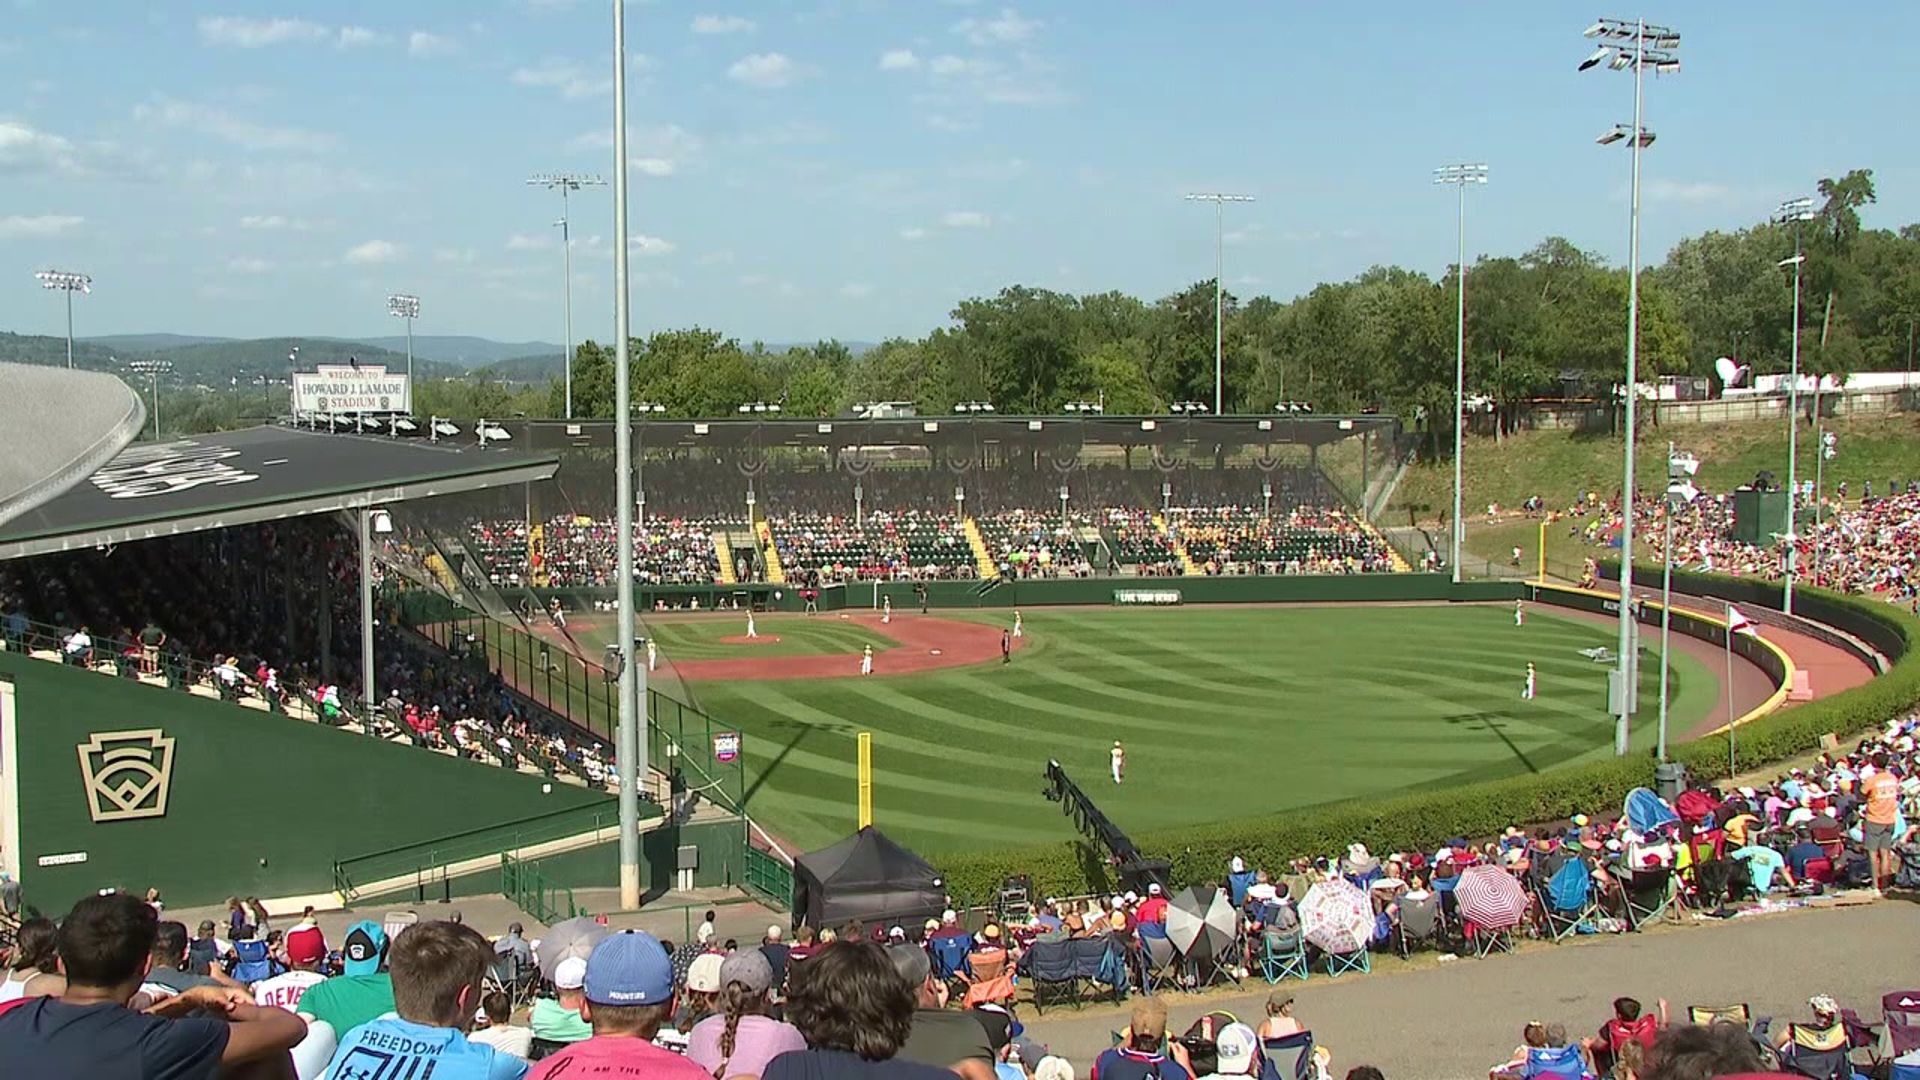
[
  {"x": 1637, "y": 45},
  {"x": 1794, "y": 212},
  {"x": 566, "y": 184},
  {"x": 1460, "y": 176},
  {"x": 69, "y": 282},
  {"x": 1680, "y": 494},
  {"x": 402, "y": 306},
  {"x": 631, "y": 743},
  {"x": 1219, "y": 201},
  {"x": 153, "y": 369}
]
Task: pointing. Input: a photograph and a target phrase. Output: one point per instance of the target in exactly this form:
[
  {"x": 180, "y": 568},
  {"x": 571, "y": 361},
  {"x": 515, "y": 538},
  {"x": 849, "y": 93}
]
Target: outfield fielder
[
  {"x": 1519, "y": 613},
  {"x": 886, "y": 609},
  {"x": 866, "y": 660},
  {"x": 1119, "y": 761},
  {"x": 1526, "y": 692},
  {"x": 653, "y": 654},
  {"x": 751, "y": 631},
  {"x": 1017, "y": 630}
]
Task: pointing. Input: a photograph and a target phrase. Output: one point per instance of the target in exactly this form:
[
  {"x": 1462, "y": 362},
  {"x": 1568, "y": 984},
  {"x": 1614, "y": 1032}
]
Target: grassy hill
[
  {"x": 526, "y": 369},
  {"x": 461, "y": 350},
  {"x": 210, "y": 362}
]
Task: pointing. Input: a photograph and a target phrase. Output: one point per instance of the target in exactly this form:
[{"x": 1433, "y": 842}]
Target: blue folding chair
[
  {"x": 1568, "y": 902},
  {"x": 1283, "y": 956},
  {"x": 1287, "y": 1057},
  {"x": 950, "y": 957},
  {"x": 1556, "y": 1063}
]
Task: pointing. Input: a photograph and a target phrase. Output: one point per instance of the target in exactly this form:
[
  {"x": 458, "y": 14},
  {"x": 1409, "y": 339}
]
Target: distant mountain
[
  {"x": 151, "y": 342},
  {"x": 215, "y": 362},
  {"x": 465, "y": 352},
  {"x": 526, "y": 369}
]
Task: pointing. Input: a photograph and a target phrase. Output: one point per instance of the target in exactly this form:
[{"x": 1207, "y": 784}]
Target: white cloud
[
  {"x": 652, "y": 245},
  {"x": 898, "y": 60},
  {"x": 858, "y": 290},
  {"x": 15, "y": 226},
  {"x": 564, "y": 76},
  {"x": 651, "y": 151},
  {"x": 352, "y": 37},
  {"x": 374, "y": 253},
  {"x": 764, "y": 70},
  {"x": 721, "y": 24},
  {"x": 249, "y": 265},
  {"x": 422, "y": 43},
  {"x": 222, "y": 125},
  {"x": 240, "y": 32},
  {"x": 24, "y": 149},
  {"x": 1006, "y": 28},
  {"x": 525, "y": 242},
  {"x": 913, "y": 233},
  {"x": 966, "y": 219}
]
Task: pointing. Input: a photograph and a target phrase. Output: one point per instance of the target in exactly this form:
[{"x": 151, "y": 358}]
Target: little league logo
[
  {"x": 726, "y": 746},
  {"x": 127, "y": 774}
]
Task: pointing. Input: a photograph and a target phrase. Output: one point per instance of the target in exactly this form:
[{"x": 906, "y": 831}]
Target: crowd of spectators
[
  {"x": 1304, "y": 540},
  {"x": 581, "y": 551},
  {"x": 908, "y": 545}
]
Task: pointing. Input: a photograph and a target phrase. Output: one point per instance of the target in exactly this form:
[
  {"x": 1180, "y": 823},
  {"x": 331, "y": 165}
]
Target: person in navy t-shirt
[{"x": 105, "y": 947}]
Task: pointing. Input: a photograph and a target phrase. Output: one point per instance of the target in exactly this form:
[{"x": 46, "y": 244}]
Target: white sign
[
  {"x": 335, "y": 389},
  {"x": 63, "y": 860},
  {"x": 1146, "y": 596}
]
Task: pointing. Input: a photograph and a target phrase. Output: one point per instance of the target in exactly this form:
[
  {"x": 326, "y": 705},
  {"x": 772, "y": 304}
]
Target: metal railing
[
  {"x": 769, "y": 878},
  {"x": 425, "y": 862},
  {"x": 679, "y": 736},
  {"x": 531, "y": 891}
]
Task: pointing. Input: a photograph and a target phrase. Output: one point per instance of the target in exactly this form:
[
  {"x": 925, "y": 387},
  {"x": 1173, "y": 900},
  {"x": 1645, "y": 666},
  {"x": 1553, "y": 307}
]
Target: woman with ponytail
[{"x": 741, "y": 1038}]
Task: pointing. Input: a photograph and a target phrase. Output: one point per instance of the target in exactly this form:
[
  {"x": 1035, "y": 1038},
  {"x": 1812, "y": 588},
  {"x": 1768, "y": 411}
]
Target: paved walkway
[{"x": 1452, "y": 1021}]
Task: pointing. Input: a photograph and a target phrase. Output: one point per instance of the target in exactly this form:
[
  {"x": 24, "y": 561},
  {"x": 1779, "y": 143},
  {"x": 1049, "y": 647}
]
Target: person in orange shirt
[{"x": 1882, "y": 794}]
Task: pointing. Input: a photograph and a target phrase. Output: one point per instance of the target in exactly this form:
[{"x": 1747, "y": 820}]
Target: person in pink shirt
[{"x": 629, "y": 995}]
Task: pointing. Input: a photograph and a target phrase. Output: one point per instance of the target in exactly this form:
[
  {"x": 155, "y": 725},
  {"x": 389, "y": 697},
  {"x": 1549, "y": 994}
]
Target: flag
[{"x": 1740, "y": 624}]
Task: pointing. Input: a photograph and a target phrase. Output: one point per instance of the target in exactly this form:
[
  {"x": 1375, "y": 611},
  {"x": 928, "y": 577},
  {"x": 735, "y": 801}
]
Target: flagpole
[{"x": 1732, "y": 758}]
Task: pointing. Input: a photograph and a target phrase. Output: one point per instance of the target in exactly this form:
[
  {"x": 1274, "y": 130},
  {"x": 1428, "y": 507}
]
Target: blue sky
[{"x": 852, "y": 168}]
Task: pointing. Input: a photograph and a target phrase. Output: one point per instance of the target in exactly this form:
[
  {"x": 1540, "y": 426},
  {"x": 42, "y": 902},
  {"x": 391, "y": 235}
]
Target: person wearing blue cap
[
  {"x": 437, "y": 969},
  {"x": 629, "y": 995},
  {"x": 363, "y": 992}
]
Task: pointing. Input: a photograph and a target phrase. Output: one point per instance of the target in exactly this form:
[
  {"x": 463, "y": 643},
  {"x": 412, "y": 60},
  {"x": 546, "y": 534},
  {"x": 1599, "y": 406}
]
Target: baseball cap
[
  {"x": 1153, "y": 889},
  {"x": 703, "y": 976},
  {"x": 570, "y": 974},
  {"x": 306, "y": 945},
  {"x": 1235, "y": 1046},
  {"x": 364, "y": 948},
  {"x": 1001, "y": 1027},
  {"x": 631, "y": 968},
  {"x": 749, "y": 967}
]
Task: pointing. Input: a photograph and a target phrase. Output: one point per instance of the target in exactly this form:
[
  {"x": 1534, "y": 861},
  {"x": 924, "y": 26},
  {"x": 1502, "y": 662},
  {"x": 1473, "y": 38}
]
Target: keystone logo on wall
[{"x": 127, "y": 774}]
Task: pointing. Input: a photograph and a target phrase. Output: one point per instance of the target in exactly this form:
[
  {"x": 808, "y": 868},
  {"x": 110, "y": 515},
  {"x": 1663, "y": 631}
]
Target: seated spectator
[
  {"x": 105, "y": 946},
  {"x": 1280, "y": 1021},
  {"x": 628, "y": 994},
  {"x": 166, "y": 975},
  {"x": 305, "y": 938},
  {"x": 363, "y": 990},
  {"x": 1627, "y": 1025},
  {"x": 741, "y": 1039},
  {"x": 1236, "y": 1051},
  {"x": 557, "y": 1019},
  {"x": 32, "y": 955},
  {"x": 1687, "y": 1052},
  {"x": 436, "y": 971},
  {"x": 949, "y": 1040},
  {"x": 513, "y": 943},
  {"x": 1154, "y": 907},
  {"x": 1144, "y": 1052},
  {"x": 850, "y": 1004},
  {"x": 499, "y": 1031},
  {"x": 1802, "y": 852},
  {"x": 305, "y": 954},
  {"x": 703, "y": 988}
]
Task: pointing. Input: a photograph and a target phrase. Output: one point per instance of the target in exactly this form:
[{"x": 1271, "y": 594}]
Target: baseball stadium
[{"x": 926, "y": 624}]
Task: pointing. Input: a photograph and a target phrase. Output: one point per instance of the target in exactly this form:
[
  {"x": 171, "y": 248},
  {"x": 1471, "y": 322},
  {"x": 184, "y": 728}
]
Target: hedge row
[{"x": 1423, "y": 819}]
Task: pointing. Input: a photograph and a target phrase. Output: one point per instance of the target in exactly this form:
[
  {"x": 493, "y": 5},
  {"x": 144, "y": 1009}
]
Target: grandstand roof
[
  {"x": 262, "y": 474},
  {"x": 938, "y": 430}
]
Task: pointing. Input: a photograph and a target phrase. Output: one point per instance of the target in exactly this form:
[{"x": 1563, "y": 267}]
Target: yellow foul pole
[{"x": 866, "y": 779}]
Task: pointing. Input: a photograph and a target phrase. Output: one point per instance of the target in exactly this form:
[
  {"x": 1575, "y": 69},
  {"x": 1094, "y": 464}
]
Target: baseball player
[
  {"x": 1526, "y": 692},
  {"x": 1519, "y": 613},
  {"x": 1006, "y": 647},
  {"x": 1119, "y": 760},
  {"x": 886, "y": 609},
  {"x": 751, "y": 631},
  {"x": 1018, "y": 631},
  {"x": 866, "y": 660},
  {"x": 557, "y": 613},
  {"x": 653, "y": 654}
]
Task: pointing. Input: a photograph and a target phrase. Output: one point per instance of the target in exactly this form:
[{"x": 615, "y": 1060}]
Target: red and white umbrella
[
  {"x": 1337, "y": 916},
  {"x": 1491, "y": 897}
]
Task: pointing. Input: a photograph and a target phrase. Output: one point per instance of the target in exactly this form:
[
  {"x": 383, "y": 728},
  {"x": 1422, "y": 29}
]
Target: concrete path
[{"x": 1452, "y": 1021}]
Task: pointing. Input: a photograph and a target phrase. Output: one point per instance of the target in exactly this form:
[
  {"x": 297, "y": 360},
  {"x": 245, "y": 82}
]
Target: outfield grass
[
  {"x": 1225, "y": 712},
  {"x": 1557, "y": 464},
  {"x": 698, "y": 637}
]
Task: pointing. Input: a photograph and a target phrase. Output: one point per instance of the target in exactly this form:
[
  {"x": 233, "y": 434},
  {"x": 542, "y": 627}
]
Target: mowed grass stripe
[{"x": 1225, "y": 712}]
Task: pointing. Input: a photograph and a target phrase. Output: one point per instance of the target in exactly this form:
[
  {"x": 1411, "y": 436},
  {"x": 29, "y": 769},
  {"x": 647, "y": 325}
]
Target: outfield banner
[
  {"x": 1152, "y": 597},
  {"x": 335, "y": 389}
]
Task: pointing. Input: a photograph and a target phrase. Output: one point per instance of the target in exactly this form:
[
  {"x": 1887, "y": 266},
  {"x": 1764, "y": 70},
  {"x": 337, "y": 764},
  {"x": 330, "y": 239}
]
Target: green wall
[{"x": 258, "y": 804}]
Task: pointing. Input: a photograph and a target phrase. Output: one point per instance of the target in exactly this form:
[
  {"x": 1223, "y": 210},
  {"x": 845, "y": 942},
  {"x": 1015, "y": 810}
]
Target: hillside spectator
[
  {"x": 741, "y": 1038},
  {"x": 950, "y": 1040},
  {"x": 33, "y": 954},
  {"x": 1882, "y": 813},
  {"x": 1280, "y": 1021},
  {"x": 557, "y": 1019},
  {"x": 850, "y": 1004},
  {"x": 499, "y": 1031},
  {"x": 1154, "y": 908},
  {"x": 436, "y": 969},
  {"x": 628, "y": 995},
  {"x": 1144, "y": 1052},
  {"x": 363, "y": 990},
  {"x": 105, "y": 945}
]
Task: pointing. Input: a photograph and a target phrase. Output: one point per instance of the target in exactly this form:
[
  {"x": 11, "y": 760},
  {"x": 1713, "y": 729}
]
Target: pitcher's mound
[{"x": 742, "y": 639}]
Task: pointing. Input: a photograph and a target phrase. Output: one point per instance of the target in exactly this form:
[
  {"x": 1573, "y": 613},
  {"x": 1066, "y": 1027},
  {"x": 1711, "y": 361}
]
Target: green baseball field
[{"x": 1223, "y": 711}]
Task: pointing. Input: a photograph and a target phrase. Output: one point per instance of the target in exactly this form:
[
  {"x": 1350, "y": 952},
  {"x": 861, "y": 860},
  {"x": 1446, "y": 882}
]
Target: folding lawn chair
[
  {"x": 1649, "y": 894},
  {"x": 1818, "y": 1053},
  {"x": 1287, "y": 1057},
  {"x": 950, "y": 957},
  {"x": 1050, "y": 965},
  {"x": 1567, "y": 900},
  {"x": 1359, "y": 960},
  {"x": 1159, "y": 962},
  {"x": 1283, "y": 956},
  {"x": 1703, "y": 1015},
  {"x": 1100, "y": 961},
  {"x": 1420, "y": 922},
  {"x": 1900, "y": 1012}
]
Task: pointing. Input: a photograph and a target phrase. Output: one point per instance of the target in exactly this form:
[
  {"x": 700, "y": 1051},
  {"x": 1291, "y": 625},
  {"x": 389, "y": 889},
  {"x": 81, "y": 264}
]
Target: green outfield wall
[{"x": 255, "y": 804}]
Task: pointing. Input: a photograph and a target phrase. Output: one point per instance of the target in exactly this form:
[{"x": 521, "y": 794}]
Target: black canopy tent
[{"x": 867, "y": 878}]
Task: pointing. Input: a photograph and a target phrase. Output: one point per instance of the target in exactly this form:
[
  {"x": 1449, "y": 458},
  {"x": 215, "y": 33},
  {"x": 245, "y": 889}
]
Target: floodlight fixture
[
  {"x": 1190, "y": 408},
  {"x": 1800, "y": 209},
  {"x": 1460, "y": 174},
  {"x": 69, "y": 280},
  {"x": 974, "y": 407}
]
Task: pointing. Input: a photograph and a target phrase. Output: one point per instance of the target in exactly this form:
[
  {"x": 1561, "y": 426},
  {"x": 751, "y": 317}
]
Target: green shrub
[{"x": 1422, "y": 819}]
